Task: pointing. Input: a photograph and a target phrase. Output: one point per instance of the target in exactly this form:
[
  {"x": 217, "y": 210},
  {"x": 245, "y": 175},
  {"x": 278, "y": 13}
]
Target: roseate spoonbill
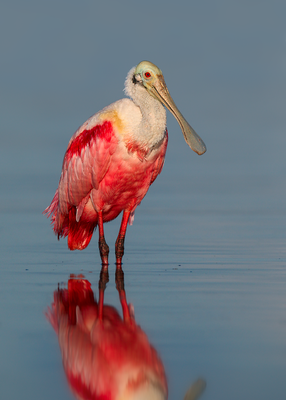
[
  {"x": 104, "y": 357},
  {"x": 113, "y": 158}
]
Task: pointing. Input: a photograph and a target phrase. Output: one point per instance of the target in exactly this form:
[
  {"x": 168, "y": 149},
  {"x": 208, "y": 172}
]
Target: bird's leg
[
  {"x": 104, "y": 278},
  {"x": 119, "y": 245},
  {"x": 103, "y": 247},
  {"x": 119, "y": 279}
]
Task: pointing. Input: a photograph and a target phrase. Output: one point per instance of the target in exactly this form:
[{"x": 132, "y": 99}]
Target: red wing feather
[{"x": 85, "y": 164}]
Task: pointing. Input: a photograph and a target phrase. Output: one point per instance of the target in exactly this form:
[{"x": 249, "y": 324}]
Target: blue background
[{"x": 205, "y": 259}]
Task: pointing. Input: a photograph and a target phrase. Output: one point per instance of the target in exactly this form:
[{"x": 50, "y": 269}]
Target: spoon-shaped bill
[
  {"x": 161, "y": 92},
  {"x": 195, "y": 390}
]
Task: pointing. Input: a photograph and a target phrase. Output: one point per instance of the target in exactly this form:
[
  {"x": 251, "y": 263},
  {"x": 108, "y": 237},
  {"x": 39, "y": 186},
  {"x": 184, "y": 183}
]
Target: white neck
[{"x": 152, "y": 126}]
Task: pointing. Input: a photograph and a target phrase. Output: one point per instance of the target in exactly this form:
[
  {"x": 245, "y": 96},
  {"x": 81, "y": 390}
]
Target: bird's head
[
  {"x": 147, "y": 73},
  {"x": 151, "y": 78}
]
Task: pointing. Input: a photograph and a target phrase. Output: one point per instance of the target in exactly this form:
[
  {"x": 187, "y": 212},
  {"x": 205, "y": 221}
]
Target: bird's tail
[
  {"x": 58, "y": 220},
  {"x": 79, "y": 233}
]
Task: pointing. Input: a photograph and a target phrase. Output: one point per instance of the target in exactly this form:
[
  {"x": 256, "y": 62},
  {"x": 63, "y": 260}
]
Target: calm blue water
[
  {"x": 205, "y": 261},
  {"x": 208, "y": 287}
]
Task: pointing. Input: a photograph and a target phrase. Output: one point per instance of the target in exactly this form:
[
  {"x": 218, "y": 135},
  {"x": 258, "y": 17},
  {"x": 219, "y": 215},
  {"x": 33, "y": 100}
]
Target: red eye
[{"x": 147, "y": 75}]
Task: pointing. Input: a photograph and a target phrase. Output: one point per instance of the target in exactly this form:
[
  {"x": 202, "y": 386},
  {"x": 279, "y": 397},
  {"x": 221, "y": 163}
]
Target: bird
[{"x": 112, "y": 160}]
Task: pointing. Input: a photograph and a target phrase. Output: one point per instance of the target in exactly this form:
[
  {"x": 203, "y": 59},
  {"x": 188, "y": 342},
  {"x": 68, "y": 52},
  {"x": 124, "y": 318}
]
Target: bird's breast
[
  {"x": 140, "y": 128},
  {"x": 126, "y": 182}
]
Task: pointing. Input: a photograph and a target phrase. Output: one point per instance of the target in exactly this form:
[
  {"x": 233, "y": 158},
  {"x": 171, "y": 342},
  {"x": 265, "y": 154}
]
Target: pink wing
[{"x": 85, "y": 164}]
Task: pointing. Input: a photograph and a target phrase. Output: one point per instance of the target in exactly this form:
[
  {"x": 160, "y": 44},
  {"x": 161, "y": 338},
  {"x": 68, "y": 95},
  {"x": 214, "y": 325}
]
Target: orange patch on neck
[{"x": 114, "y": 118}]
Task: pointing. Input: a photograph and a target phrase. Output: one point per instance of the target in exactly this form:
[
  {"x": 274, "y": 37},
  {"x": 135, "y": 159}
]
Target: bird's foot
[
  {"x": 104, "y": 278},
  {"x": 104, "y": 251},
  {"x": 119, "y": 278},
  {"x": 119, "y": 251}
]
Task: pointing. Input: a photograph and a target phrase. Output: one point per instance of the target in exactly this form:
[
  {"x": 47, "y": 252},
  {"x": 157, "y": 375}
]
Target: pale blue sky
[{"x": 224, "y": 63}]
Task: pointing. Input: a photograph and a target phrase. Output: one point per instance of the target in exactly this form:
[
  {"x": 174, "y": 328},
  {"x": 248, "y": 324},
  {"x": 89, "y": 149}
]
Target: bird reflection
[{"x": 106, "y": 356}]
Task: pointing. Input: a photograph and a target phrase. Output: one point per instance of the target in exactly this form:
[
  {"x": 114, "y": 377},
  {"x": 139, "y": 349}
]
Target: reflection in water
[{"x": 106, "y": 357}]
